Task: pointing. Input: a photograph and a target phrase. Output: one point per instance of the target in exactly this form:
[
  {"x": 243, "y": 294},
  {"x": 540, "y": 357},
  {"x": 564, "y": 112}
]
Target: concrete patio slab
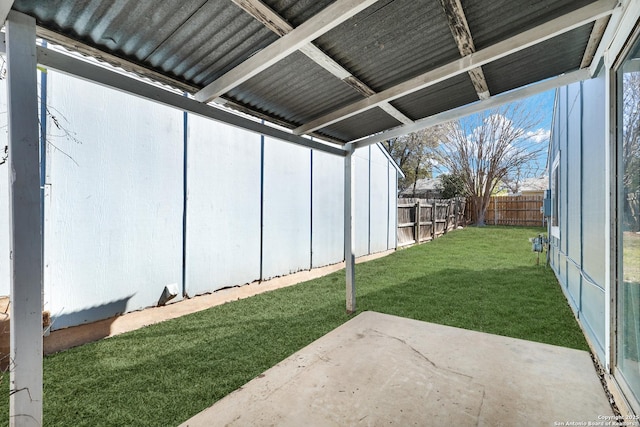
[{"x": 379, "y": 370}]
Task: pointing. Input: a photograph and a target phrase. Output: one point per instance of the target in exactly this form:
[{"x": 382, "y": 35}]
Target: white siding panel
[
  {"x": 574, "y": 191},
  {"x": 223, "y": 207},
  {"x": 114, "y": 234},
  {"x": 392, "y": 208},
  {"x": 328, "y": 209},
  {"x": 594, "y": 185},
  {"x": 5, "y": 286},
  {"x": 379, "y": 200},
  {"x": 581, "y": 268},
  {"x": 361, "y": 162},
  {"x": 113, "y": 224},
  {"x": 593, "y": 315},
  {"x": 287, "y": 209}
]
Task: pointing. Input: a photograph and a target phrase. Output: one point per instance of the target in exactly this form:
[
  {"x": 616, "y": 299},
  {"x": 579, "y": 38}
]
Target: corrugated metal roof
[
  {"x": 192, "y": 43},
  {"x": 297, "y": 11},
  {"x": 285, "y": 95},
  {"x": 392, "y": 41},
  {"x": 367, "y": 123},
  {"x": 555, "y": 56},
  {"x": 491, "y": 21},
  {"x": 440, "y": 97}
]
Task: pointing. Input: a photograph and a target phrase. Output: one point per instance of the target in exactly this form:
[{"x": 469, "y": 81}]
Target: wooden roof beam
[
  {"x": 462, "y": 34},
  {"x": 322, "y": 22},
  {"x": 536, "y": 35},
  {"x": 270, "y": 19},
  {"x": 594, "y": 41}
]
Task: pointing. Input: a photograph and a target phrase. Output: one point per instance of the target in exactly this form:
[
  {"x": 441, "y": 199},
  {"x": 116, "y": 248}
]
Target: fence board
[
  {"x": 515, "y": 210},
  {"x": 436, "y": 217}
]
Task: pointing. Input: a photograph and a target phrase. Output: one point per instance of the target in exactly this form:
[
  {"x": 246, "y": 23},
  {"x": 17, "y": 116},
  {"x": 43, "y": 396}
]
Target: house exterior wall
[
  {"x": 379, "y": 201},
  {"x": 327, "y": 211},
  {"x": 578, "y": 255},
  {"x": 361, "y": 161},
  {"x": 4, "y": 196},
  {"x": 113, "y": 223},
  {"x": 118, "y": 229},
  {"x": 287, "y": 209},
  {"x": 223, "y": 206}
]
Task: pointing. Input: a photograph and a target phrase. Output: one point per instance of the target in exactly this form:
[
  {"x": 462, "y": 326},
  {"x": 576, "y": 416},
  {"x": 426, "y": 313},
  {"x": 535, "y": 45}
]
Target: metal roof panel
[
  {"x": 363, "y": 124},
  {"x": 297, "y": 11},
  {"x": 443, "y": 96},
  {"x": 491, "y": 21},
  {"x": 392, "y": 41},
  {"x": 288, "y": 96},
  {"x": 191, "y": 43},
  {"x": 556, "y": 56},
  {"x": 193, "y": 40}
]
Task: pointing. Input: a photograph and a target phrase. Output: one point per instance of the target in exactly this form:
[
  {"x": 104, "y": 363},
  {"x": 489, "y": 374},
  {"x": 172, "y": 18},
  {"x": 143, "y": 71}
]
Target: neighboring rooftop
[{"x": 425, "y": 188}]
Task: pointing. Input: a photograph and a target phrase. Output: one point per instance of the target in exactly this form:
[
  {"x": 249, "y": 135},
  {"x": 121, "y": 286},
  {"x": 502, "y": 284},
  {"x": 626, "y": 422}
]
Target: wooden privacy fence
[
  {"x": 421, "y": 220},
  {"x": 515, "y": 210}
]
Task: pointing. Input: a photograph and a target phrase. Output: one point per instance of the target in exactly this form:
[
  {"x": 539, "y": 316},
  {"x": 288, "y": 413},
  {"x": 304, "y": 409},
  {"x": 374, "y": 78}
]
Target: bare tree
[
  {"x": 631, "y": 149},
  {"x": 414, "y": 154},
  {"x": 497, "y": 146},
  {"x": 58, "y": 120}
]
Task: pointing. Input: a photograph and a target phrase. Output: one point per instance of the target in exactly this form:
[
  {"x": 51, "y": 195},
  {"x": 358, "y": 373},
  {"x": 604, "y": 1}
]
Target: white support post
[
  {"x": 25, "y": 225},
  {"x": 349, "y": 229}
]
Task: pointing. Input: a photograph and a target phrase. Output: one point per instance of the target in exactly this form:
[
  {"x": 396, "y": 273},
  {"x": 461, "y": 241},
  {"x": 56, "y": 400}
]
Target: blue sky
[{"x": 542, "y": 102}]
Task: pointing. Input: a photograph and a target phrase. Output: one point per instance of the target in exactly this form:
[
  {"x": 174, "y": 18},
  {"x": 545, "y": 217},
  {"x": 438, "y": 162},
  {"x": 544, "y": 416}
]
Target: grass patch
[{"x": 483, "y": 279}]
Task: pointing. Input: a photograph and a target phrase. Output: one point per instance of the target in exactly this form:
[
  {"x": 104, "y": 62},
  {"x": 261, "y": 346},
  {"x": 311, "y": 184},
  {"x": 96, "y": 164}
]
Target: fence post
[
  {"x": 417, "y": 229},
  {"x": 495, "y": 210},
  {"x": 434, "y": 210},
  {"x": 455, "y": 213}
]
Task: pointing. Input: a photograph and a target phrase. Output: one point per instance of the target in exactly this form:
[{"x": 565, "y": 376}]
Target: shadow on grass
[
  {"x": 164, "y": 374},
  {"x": 521, "y": 302}
]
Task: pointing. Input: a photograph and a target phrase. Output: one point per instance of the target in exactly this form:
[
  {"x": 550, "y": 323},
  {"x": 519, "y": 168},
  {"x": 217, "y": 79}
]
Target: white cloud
[{"x": 539, "y": 135}]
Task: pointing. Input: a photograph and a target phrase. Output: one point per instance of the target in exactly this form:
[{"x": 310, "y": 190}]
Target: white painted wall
[
  {"x": 579, "y": 256},
  {"x": 223, "y": 207},
  {"x": 113, "y": 238},
  {"x": 114, "y": 204},
  {"x": 328, "y": 209},
  {"x": 5, "y": 286},
  {"x": 362, "y": 204},
  {"x": 392, "y": 175},
  {"x": 287, "y": 209},
  {"x": 379, "y": 201}
]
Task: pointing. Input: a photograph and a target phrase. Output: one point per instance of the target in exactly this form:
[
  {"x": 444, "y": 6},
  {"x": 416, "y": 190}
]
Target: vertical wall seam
[
  {"x": 311, "y": 209},
  {"x": 388, "y": 201},
  {"x": 395, "y": 212},
  {"x": 566, "y": 188},
  {"x": 261, "y": 203},
  {"x": 581, "y": 194},
  {"x": 185, "y": 197},
  {"x": 369, "y": 211}
]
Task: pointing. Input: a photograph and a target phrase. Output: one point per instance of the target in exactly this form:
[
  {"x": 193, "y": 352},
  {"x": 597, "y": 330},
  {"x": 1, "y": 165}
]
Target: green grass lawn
[{"x": 483, "y": 279}]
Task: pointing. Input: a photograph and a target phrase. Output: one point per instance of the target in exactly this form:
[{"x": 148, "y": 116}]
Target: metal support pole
[
  {"x": 25, "y": 224},
  {"x": 349, "y": 229}
]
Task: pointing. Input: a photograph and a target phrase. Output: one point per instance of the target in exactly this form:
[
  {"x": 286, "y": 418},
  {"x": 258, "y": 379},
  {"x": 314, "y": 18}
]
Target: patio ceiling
[{"x": 337, "y": 70}]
